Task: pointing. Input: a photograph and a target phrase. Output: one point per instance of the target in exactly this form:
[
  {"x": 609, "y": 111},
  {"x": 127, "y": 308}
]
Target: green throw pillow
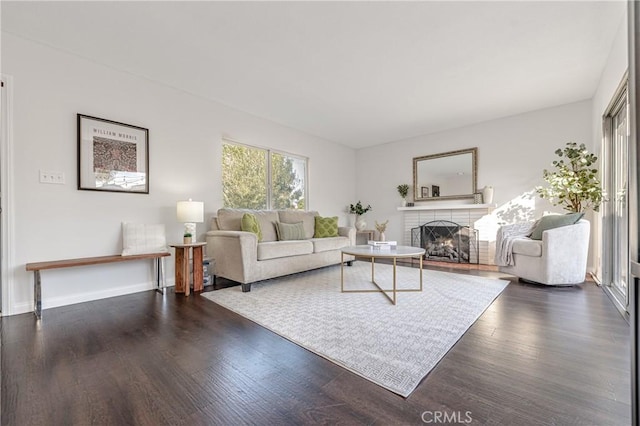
[
  {"x": 290, "y": 231},
  {"x": 554, "y": 221},
  {"x": 250, "y": 223},
  {"x": 326, "y": 227}
]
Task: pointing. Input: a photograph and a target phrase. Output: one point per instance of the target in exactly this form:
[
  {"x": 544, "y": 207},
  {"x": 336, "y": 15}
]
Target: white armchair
[{"x": 560, "y": 258}]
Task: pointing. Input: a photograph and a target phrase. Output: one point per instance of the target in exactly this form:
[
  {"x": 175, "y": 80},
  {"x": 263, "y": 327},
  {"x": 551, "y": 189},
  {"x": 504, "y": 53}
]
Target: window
[
  {"x": 257, "y": 178},
  {"x": 244, "y": 177}
]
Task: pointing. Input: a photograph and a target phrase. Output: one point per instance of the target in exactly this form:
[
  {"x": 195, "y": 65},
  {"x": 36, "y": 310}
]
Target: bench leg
[
  {"x": 164, "y": 276},
  {"x": 160, "y": 284},
  {"x": 246, "y": 287},
  {"x": 37, "y": 295}
]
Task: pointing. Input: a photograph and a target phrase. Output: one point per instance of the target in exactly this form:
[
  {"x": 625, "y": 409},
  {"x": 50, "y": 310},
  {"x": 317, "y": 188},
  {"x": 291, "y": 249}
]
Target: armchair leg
[
  {"x": 349, "y": 262},
  {"x": 246, "y": 287}
]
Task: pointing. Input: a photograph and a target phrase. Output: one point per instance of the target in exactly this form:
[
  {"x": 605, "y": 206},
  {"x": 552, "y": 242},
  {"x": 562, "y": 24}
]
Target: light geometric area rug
[{"x": 392, "y": 346}]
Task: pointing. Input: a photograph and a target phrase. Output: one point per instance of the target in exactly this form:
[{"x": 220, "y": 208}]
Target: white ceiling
[{"x": 357, "y": 73}]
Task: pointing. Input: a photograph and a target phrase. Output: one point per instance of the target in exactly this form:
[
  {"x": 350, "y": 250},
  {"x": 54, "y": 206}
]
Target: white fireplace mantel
[{"x": 449, "y": 207}]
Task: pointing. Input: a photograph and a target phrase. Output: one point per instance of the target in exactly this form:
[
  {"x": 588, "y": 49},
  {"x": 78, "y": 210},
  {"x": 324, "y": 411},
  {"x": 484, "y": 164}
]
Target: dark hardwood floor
[{"x": 537, "y": 356}]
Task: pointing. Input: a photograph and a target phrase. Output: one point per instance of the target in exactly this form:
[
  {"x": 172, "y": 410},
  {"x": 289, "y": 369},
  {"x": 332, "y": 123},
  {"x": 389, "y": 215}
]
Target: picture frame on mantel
[
  {"x": 112, "y": 156},
  {"x": 424, "y": 191}
]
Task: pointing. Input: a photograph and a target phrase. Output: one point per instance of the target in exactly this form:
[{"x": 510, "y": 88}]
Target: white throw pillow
[{"x": 140, "y": 238}]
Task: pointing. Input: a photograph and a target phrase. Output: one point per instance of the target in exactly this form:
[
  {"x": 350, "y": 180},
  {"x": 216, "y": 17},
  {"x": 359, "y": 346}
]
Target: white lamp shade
[{"x": 190, "y": 211}]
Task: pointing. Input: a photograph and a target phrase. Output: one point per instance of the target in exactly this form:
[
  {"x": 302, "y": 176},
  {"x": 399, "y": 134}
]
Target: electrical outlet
[
  {"x": 52, "y": 177},
  {"x": 58, "y": 177}
]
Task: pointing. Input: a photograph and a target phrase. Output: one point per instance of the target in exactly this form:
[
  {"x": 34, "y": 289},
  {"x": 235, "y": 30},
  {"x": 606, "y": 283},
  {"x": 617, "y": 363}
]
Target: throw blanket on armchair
[{"x": 507, "y": 234}]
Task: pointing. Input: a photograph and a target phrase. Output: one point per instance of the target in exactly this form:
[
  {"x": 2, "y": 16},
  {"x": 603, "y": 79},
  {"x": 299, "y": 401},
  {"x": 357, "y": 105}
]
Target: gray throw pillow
[
  {"x": 290, "y": 231},
  {"x": 554, "y": 221}
]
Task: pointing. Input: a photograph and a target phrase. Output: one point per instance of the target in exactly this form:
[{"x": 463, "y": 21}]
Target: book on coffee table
[{"x": 383, "y": 243}]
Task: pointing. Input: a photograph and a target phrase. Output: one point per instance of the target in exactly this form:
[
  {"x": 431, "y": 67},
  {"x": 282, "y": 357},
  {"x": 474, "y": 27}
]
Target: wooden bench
[{"x": 86, "y": 261}]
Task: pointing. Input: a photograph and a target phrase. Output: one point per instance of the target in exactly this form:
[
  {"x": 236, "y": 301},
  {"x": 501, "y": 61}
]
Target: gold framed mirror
[{"x": 447, "y": 176}]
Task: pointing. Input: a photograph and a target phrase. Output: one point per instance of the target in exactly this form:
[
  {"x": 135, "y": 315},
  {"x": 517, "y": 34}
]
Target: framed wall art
[
  {"x": 424, "y": 192},
  {"x": 112, "y": 156},
  {"x": 435, "y": 190}
]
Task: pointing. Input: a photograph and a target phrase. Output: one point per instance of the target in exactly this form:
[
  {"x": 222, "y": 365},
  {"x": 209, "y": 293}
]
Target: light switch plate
[{"x": 52, "y": 177}]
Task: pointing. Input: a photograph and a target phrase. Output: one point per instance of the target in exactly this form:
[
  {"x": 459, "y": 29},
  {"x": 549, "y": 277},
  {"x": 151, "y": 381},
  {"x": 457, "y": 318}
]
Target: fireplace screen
[{"x": 446, "y": 241}]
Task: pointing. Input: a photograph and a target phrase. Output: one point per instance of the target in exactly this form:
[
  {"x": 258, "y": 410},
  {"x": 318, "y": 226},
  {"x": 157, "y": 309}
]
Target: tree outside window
[{"x": 245, "y": 179}]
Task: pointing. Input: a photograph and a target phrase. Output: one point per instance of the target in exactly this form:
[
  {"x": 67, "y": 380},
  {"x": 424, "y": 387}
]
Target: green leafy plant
[
  {"x": 358, "y": 209},
  {"x": 187, "y": 235},
  {"x": 574, "y": 184},
  {"x": 403, "y": 190}
]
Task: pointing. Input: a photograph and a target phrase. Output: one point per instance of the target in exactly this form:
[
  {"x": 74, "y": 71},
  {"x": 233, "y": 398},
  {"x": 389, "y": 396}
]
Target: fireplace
[{"x": 446, "y": 241}]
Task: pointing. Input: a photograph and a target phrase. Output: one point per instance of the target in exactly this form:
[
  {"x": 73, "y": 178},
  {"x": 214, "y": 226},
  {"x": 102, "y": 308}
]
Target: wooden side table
[
  {"x": 182, "y": 267},
  {"x": 366, "y": 235}
]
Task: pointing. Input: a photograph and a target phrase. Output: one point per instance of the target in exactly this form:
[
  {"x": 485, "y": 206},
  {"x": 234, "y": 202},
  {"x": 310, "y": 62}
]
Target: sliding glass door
[
  {"x": 634, "y": 203},
  {"x": 616, "y": 211}
]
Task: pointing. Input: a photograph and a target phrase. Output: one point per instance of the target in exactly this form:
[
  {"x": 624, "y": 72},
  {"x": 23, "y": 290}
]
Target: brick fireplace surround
[{"x": 476, "y": 216}]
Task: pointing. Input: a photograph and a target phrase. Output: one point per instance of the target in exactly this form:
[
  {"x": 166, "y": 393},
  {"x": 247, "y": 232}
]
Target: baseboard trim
[
  {"x": 56, "y": 302},
  {"x": 19, "y": 308}
]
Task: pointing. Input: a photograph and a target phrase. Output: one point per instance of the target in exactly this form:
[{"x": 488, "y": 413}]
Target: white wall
[
  {"x": 512, "y": 153},
  {"x": 59, "y": 221},
  {"x": 612, "y": 76}
]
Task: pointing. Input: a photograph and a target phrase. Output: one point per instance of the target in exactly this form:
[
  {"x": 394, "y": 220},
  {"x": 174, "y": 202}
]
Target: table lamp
[{"x": 190, "y": 212}]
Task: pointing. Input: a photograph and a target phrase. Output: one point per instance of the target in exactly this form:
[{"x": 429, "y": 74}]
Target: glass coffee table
[{"x": 370, "y": 252}]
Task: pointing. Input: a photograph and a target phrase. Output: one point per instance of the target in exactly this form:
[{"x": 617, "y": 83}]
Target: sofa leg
[
  {"x": 349, "y": 262},
  {"x": 246, "y": 287}
]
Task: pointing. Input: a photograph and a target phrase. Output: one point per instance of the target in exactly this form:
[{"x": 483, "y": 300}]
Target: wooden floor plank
[{"x": 538, "y": 355}]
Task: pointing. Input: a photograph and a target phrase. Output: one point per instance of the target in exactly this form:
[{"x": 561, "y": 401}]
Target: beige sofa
[{"x": 240, "y": 257}]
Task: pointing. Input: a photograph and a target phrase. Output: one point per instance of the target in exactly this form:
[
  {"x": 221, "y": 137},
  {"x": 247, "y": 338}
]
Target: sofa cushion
[
  {"x": 290, "y": 231},
  {"x": 326, "y": 227},
  {"x": 527, "y": 247},
  {"x": 295, "y": 216},
  {"x": 213, "y": 224},
  {"x": 328, "y": 244},
  {"x": 278, "y": 249},
  {"x": 554, "y": 221},
  {"x": 230, "y": 220},
  {"x": 249, "y": 223}
]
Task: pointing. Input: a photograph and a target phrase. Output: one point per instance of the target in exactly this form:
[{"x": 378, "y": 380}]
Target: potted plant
[
  {"x": 574, "y": 184},
  {"x": 187, "y": 238},
  {"x": 403, "y": 190},
  {"x": 358, "y": 209}
]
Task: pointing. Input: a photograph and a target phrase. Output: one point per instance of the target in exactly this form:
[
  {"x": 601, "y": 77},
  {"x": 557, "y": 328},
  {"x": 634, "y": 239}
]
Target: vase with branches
[
  {"x": 358, "y": 209},
  {"x": 381, "y": 228}
]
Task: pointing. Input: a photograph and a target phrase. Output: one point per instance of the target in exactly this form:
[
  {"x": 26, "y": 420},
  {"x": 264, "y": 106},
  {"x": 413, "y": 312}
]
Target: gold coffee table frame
[{"x": 369, "y": 252}]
